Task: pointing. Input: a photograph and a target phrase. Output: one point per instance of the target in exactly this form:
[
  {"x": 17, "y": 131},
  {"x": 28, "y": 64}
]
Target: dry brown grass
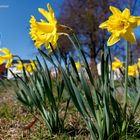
[{"x": 16, "y": 122}]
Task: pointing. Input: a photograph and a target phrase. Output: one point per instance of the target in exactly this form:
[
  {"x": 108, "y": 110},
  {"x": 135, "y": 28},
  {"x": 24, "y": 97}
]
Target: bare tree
[{"x": 85, "y": 16}]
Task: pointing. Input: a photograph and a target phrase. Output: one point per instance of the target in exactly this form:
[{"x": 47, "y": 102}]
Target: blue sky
[{"x": 14, "y": 24}]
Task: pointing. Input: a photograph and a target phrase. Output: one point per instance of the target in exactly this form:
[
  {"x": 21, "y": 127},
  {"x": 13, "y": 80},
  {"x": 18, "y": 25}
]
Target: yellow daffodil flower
[
  {"x": 44, "y": 32},
  {"x": 6, "y": 57},
  {"x": 132, "y": 70},
  {"x": 20, "y": 65},
  {"x": 31, "y": 67},
  {"x": 78, "y": 66},
  {"x": 138, "y": 63},
  {"x": 33, "y": 64},
  {"x": 116, "y": 64},
  {"x": 121, "y": 25}
]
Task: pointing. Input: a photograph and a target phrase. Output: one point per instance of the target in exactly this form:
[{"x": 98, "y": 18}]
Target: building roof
[{"x": 24, "y": 61}]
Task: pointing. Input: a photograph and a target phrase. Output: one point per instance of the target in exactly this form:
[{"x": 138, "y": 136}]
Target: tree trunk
[{"x": 93, "y": 64}]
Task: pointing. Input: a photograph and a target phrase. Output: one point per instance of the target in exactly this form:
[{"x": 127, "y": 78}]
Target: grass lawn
[{"x": 16, "y": 122}]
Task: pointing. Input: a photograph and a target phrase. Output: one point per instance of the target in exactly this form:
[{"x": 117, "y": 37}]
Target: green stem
[
  {"x": 71, "y": 40},
  {"x": 126, "y": 78},
  {"x": 126, "y": 87}
]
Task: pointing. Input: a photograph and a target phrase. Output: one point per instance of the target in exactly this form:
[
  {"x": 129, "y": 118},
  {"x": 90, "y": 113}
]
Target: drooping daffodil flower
[{"x": 6, "y": 56}]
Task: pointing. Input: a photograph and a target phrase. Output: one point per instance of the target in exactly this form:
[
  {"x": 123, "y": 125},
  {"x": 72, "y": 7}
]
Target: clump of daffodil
[
  {"x": 6, "y": 56},
  {"x": 31, "y": 67},
  {"x": 78, "y": 65},
  {"x": 116, "y": 64},
  {"x": 133, "y": 70},
  {"x": 121, "y": 25}
]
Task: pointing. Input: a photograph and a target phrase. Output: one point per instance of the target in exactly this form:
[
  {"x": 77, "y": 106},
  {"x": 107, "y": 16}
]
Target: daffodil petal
[
  {"x": 19, "y": 66},
  {"x": 138, "y": 20},
  {"x": 132, "y": 19},
  {"x": 132, "y": 70},
  {"x": 9, "y": 63},
  {"x": 112, "y": 40},
  {"x": 129, "y": 36},
  {"x": 1, "y": 60},
  {"x": 138, "y": 63},
  {"x": 116, "y": 64},
  {"x": 38, "y": 44},
  {"x": 45, "y": 14},
  {"x": 104, "y": 25},
  {"x": 114, "y": 10},
  {"x": 5, "y": 51},
  {"x": 7, "y": 57},
  {"x": 126, "y": 13},
  {"x": 50, "y": 9},
  {"x": 49, "y": 15}
]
